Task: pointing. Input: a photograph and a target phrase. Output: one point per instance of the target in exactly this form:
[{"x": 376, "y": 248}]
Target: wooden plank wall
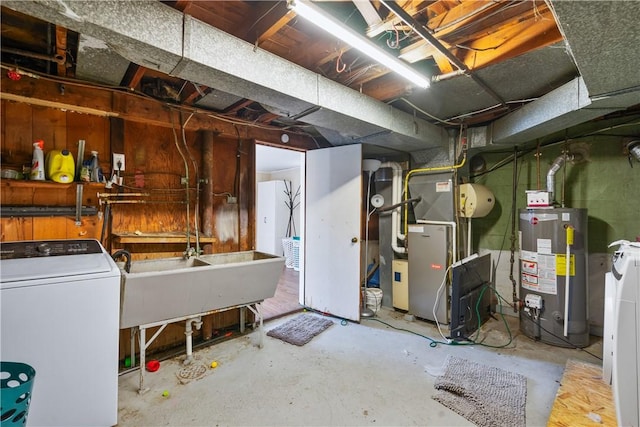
[{"x": 153, "y": 165}]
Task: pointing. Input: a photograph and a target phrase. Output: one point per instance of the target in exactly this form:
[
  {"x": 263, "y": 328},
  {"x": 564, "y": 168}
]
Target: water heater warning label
[
  {"x": 561, "y": 264},
  {"x": 539, "y": 273}
]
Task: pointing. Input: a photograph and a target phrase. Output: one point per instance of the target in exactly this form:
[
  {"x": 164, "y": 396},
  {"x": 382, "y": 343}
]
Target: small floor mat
[
  {"x": 301, "y": 329},
  {"x": 486, "y": 396}
]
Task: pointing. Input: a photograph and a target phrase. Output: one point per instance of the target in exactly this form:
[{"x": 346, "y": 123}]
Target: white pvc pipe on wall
[{"x": 396, "y": 196}]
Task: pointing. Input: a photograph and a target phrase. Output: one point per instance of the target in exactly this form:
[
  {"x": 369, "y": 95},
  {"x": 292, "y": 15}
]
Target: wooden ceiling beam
[
  {"x": 267, "y": 118},
  {"x": 489, "y": 18},
  {"x": 490, "y": 36},
  {"x": 421, "y": 49},
  {"x": 233, "y": 109},
  {"x": 332, "y": 56},
  {"x": 270, "y": 18},
  {"x": 133, "y": 76},
  {"x": 61, "y": 49},
  {"x": 461, "y": 15},
  {"x": 182, "y": 5},
  {"x": 370, "y": 76},
  {"x": 511, "y": 41},
  {"x": 444, "y": 65},
  {"x": 412, "y": 8},
  {"x": 386, "y": 88},
  {"x": 228, "y": 16},
  {"x": 191, "y": 93}
]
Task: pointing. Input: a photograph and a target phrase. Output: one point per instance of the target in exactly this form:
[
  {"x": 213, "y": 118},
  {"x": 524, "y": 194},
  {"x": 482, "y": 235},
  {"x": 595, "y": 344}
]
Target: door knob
[{"x": 354, "y": 240}]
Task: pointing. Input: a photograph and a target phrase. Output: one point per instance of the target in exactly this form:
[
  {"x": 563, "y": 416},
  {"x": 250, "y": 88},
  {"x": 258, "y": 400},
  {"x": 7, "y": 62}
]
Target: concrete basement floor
[{"x": 349, "y": 375}]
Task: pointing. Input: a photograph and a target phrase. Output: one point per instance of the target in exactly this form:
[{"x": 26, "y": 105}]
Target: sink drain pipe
[{"x": 197, "y": 322}]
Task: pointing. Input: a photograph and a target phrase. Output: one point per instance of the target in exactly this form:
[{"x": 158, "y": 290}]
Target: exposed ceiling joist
[
  {"x": 191, "y": 92},
  {"x": 270, "y": 20},
  {"x": 133, "y": 76},
  {"x": 61, "y": 49},
  {"x": 509, "y": 41},
  {"x": 461, "y": 15},
  {"x": 525, "y": 29},
  {"x": 238, "y": 106},
  {"x": 425, "y": 34},
  {"x": 501, "y": 43}
]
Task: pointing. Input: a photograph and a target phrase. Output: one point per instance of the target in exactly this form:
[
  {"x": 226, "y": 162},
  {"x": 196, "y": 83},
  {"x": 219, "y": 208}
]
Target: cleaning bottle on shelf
[
  {"x": 95, "y": 170},
  {"x": 37, "y": 164},
  {"x": 60, "y": 166}
]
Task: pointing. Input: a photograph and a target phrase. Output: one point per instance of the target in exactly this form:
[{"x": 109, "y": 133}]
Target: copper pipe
[
  {"x": 107, "y": 195},
  {"x": 58, "y": 59}
]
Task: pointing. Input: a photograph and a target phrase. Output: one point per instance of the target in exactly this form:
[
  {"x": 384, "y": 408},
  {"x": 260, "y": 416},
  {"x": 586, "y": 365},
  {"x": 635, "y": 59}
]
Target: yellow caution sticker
[{"x": 561, "y": 265}]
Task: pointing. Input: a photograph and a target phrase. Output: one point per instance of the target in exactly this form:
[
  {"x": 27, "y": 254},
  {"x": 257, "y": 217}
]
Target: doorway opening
[{"x": 280, "y": 179}]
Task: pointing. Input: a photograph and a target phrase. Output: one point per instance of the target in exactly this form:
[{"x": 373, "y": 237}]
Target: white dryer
[{"x": 625, "y": 355}]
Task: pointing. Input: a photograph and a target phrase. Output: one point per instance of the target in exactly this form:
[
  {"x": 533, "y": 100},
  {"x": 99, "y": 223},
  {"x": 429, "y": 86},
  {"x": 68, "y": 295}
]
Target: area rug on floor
[
  {"x": 301, "y": 329},
  {"x": 484, "y": 395}
]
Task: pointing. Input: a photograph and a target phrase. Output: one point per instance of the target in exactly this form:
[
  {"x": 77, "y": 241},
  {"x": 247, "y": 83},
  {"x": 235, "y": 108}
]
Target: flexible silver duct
[{"x": 555, "y": 167}]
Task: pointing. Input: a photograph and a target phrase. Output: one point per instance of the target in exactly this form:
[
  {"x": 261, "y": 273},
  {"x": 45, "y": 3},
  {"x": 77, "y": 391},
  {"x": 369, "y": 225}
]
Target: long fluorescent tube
[{"x": 318, "y": 17}]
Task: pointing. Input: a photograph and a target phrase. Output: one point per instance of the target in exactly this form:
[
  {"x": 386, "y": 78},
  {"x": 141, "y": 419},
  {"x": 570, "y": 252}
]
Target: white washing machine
[
  {"x": 625, "y": 332},
  {"x": 60, "y": 308}
]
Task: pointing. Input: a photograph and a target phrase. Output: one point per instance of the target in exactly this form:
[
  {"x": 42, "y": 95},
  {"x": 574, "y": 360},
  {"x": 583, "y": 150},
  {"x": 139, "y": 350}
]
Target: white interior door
[{"x": 332, "y": 231}]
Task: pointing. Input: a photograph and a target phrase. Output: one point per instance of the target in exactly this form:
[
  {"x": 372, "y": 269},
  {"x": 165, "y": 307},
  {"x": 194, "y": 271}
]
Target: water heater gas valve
[{"x": 533, "y": 301}]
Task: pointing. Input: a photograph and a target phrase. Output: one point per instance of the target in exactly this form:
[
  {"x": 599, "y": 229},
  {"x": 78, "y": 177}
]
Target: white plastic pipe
[
  {"x": 401, "y": 235},
  {"x": 396, "y": 196},
  {"x": 197, "y": 321}
]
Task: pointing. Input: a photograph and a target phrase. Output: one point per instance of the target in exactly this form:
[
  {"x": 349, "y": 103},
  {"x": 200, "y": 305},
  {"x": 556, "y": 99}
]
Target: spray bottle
[{"x": 37, "y": 164}]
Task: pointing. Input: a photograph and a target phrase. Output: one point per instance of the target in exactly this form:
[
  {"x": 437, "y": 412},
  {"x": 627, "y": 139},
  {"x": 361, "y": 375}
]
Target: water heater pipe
[
  {"x": 396, "y": 196},
  {"x": 555, "y": 167}
]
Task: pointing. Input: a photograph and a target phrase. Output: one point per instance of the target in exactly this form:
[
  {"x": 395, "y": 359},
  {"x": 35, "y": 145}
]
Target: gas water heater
[{"x": 553, "y": 275}]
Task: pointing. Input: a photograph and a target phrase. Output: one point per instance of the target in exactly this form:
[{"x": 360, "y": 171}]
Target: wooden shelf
[
  {"x": 154, "y": 238},
  {"x": 20, "y": 183}
]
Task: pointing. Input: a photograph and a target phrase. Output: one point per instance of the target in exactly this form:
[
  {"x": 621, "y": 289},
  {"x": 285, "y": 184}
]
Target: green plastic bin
[{"x": 16, "y": 383}]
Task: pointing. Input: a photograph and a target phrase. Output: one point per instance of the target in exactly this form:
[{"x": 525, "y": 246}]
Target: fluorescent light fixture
[{"x": 318, "y": 17}]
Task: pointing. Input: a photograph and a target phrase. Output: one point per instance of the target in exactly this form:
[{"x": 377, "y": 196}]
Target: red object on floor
[
  {"x": 153, "y": 365},
  {"x": 14, "y": 75}
]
